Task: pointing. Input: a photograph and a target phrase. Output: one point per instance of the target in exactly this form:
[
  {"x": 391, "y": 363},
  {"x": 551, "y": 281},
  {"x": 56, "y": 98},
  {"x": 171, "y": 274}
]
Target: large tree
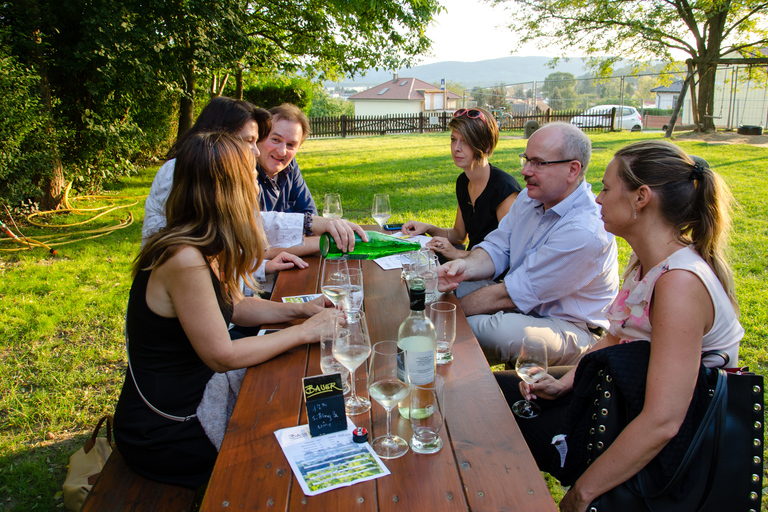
[{"x": 608, "y": 31}]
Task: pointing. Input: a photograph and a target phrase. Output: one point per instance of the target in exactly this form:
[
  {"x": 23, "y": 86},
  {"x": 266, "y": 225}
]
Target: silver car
[{"x": 627, "y": 118}]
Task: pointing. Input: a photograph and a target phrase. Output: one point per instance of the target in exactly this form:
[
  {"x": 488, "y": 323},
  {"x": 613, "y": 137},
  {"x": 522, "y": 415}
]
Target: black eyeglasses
[{"x": 538, "y": 164}]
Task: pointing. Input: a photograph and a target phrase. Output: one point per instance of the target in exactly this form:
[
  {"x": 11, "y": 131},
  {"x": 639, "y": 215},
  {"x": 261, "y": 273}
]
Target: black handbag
[{"x": 715, "y": 462}]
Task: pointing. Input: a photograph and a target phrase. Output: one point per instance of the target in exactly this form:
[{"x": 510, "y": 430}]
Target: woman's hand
[
  {"x": 413, "y": 228},
  {"x": 322, "y": 321},
  {"x": 317, "y": 305},
  {"x": 342, "y": 231},
  {"x": 443, "y": 246},
  {"x": 547, "y": 387},
  {"x": 572, "y": 502},
  {"x": 284, "y": 261}
]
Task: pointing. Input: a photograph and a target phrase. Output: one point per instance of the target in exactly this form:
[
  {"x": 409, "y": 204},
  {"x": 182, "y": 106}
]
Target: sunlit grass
[{"x": 61, "y": 318}]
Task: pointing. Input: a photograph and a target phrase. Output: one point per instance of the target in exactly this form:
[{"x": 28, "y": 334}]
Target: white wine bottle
[{"x": 417, "y": 345}]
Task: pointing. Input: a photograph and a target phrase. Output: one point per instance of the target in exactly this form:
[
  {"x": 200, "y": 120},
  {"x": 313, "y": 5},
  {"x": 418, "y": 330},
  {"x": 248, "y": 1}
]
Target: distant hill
[{"x": 485, "y": 73}]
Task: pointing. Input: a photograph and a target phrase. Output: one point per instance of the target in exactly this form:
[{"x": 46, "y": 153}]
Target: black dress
[
  {"x": 172, "y": 378},
  {"x": 480, "y": 219}
]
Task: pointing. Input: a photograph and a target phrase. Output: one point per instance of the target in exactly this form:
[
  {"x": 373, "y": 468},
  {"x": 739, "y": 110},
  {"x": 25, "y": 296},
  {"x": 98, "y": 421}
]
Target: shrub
[
  {"x": 270, "y": 92},
  {"x": 657, "y": 111}
]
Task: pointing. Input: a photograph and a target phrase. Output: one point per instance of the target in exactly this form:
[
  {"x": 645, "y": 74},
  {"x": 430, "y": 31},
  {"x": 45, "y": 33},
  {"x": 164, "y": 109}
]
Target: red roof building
[{"x": 403, "y": 96}]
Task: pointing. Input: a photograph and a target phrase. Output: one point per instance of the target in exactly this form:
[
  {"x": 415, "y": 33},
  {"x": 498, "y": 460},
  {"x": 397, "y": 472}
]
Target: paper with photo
[
  {"x": 328, "y": 462},
  {"x": 302, "y": 298}
]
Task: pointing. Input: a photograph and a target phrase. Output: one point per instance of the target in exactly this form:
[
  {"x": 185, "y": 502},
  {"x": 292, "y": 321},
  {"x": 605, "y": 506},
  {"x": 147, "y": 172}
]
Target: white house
[
  {"x": 403, "y": 96},
  {"x": 666, "y": 95}
]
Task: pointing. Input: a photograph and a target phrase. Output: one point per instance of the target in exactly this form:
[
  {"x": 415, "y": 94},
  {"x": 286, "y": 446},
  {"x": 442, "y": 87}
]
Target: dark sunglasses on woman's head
[{"x": 471, "y": 113}]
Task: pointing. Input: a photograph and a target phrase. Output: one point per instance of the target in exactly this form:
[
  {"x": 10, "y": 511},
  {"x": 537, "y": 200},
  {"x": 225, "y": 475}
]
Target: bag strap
[
  {"x": 720, "y": 353},
  {"x": 715, "y": 415},
  {"x": 91, "y": 442},
  {"x": 136, "y": 384}
]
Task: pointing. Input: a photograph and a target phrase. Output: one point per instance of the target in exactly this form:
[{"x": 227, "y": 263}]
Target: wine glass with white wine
[
  {"x": 335, "y": 280},
  {"x": 351, "y": 347},
  {"x": 380, "y": 210},
  {"x": 531, "y": 365},
  {"x": 388, "y": 390}
]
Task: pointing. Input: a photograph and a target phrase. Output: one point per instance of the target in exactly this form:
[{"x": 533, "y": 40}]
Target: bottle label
[{"x": 421, "y": 367}]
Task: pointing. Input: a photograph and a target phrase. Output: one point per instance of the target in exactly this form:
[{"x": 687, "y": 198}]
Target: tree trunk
[
  {"x": 187, "y": 103},
  {"x": 239, "y": 84},
  {"x": 706, "y": 96}
]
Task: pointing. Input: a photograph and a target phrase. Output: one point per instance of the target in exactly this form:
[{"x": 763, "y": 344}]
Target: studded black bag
[{"x": 713, "y": 464}]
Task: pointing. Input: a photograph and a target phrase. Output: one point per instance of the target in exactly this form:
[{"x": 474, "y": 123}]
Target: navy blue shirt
[{"x": 288, "y": 192}]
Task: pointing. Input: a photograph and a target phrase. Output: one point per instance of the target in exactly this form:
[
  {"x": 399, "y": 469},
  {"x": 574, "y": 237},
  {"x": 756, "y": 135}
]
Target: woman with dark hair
[
  {"x": 678, "y": 293},
  {"x": 184, "y": 294},
  {"x": 251, "y": 124},
  {"x": 484, "y": 192}
]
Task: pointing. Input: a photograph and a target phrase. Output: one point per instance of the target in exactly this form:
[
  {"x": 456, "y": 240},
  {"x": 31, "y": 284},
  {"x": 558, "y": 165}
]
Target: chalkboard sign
[{"x": 325, "y": 404}]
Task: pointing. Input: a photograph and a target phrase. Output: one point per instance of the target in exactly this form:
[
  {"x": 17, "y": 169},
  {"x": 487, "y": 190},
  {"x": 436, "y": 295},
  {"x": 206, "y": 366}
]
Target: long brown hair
[
  {"x": 212, "y": 207},
  {"x": 692, "y": 198}
]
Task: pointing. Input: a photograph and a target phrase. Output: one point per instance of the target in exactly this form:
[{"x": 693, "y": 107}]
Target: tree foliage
[{"x": 608, "y": 31}]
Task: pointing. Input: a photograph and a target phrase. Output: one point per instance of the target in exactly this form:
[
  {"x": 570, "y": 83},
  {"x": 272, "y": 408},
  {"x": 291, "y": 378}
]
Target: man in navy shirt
[{"x": 283, "y": 188}]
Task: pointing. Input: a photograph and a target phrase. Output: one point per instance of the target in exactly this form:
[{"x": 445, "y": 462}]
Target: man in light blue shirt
[{"x": 563, "y": 271}]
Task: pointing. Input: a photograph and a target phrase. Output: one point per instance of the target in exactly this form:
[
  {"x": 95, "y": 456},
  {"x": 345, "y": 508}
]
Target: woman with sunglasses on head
[
  {"x": 484, "y": 192},
  {"x": 678, "y": 293},
  {"x": 185, "y": 292}
]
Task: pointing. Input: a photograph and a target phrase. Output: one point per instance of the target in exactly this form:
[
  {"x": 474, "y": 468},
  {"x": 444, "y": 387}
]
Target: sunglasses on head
[{"x": 471, "y": 113}]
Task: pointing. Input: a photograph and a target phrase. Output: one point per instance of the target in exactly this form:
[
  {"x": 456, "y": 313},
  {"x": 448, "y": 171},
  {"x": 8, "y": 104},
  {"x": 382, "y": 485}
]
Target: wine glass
[
  {"x": 335, "y": 280},
  {"x": 332, "y": 208},
  {"x": 354, "y": 301},
  {"x": 531, "y": 365},
  {"x": 351, "y": 347},
  {"x": 388, "y": 390},
  {"x": 380, "y": 211},
  {"x": 328, "y": 363}
]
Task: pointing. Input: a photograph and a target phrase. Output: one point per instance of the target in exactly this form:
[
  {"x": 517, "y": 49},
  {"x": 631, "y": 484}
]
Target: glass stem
[
  {"x": 389, "y": 422},
  {"x": 352, "y": 394}
]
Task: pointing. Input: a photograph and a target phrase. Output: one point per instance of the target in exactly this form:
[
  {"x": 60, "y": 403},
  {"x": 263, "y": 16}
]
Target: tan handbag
[{"x": 85, "y": 465}]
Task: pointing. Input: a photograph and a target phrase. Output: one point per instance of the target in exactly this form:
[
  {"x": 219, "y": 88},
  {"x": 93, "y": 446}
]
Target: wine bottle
[
  {"x": 417, "y": 345},
  {"x": 378, "y": 245}
]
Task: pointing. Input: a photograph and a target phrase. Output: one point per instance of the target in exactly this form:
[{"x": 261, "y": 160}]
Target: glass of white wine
[
  {"x": 388, "y": 390},
  {"x": 328, "y": 363},
  {"x": 354, "y": 301},
  {"x": 335, "y": 280},
  {"x": 531, "y": 365},
  {"x": 351, "y": 347},
  {"x": 380, "y": 210},
  {"x": 332, "y": 207}
]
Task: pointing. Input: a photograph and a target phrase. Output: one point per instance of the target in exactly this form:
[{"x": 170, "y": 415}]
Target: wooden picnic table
[{"x": 484, "y": 465}]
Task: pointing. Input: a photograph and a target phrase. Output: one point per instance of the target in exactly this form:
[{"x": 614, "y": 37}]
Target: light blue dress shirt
[{"x": 562, "y": 261}]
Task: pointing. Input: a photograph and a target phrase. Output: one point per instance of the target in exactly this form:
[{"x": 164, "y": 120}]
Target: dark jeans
[{"x": 538, "y": 431}]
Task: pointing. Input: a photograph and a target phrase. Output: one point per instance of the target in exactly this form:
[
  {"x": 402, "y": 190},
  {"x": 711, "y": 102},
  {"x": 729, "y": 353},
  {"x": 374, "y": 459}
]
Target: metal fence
[
  {"x": 426, "y": 122},
  {"x": 344, "y": 126}
]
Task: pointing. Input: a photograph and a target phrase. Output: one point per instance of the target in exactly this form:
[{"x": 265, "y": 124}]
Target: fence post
[
  {"x": 344, "y": 126},
  {"x": 613, "y": 119},
  {"x": 421, "y": 122}
]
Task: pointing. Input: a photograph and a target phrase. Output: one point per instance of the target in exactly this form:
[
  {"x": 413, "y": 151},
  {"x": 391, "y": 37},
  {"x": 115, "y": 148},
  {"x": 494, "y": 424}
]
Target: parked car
[{"x": 627, "y": 118}]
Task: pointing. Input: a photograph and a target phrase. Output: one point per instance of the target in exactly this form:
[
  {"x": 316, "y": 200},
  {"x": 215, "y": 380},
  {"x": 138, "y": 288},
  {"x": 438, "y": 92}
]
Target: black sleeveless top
[
  {"x": 480, "y": 218},
  {"x": 172, "y": 377}
]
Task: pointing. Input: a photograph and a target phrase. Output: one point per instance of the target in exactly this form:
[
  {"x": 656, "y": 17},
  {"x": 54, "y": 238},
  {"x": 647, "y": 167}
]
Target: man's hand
[
  {"x": 342, "y": 231},
  {"x": 451, "y": 274},
  {"x": 284, "y": 261}
]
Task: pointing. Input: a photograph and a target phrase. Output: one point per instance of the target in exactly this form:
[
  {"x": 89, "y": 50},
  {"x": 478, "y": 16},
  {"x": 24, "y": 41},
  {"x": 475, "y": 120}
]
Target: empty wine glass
[
  {"x": 352, "y": 346},
  {"x": 335, "y": 280},
  {"x": 388, "y": 390},
  {"x": 380, "y": 211},
  {"x": 427, "y": 415},
  {"x": 354, "y": 301},
  {"x": 531, "y": 365},
  {"x": 332, "y": 207}
]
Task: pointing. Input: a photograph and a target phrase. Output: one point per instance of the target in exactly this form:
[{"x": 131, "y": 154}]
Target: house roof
[
  {"x": 673, "y": 87},
  {"x": 400, "y": 89}
]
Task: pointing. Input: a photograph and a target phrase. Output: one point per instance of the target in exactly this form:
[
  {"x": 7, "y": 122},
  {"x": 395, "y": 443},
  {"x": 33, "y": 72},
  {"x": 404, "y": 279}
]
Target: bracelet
[{"x": 308, "y": 224}]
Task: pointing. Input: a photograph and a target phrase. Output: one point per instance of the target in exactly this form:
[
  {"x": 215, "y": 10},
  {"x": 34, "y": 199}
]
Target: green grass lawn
[{"x": 61, "y": 318}]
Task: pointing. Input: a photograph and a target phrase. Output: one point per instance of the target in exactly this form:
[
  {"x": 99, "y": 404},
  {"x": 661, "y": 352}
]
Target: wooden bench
[{"x": 121, "y": 488}]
